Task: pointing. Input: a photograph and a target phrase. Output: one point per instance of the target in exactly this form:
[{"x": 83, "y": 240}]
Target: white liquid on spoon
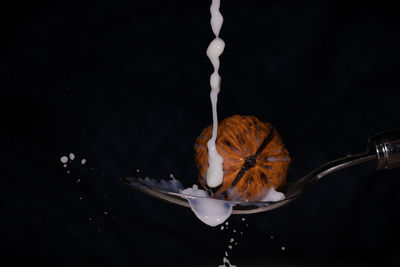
[
  {"x": 215, "y": 173},
  {"x": 273, "y": 196},
  {"x": 210, "y": 211}
]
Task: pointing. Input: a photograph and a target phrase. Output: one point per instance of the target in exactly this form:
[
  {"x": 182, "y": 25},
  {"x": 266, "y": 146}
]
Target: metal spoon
[{"x": 383, "y": 149}]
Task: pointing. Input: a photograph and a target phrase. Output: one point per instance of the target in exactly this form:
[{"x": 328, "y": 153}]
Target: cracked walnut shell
[{"x": 254, "y": 158}]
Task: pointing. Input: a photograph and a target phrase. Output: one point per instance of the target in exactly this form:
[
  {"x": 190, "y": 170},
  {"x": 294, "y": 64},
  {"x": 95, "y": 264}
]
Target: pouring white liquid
[
  {"x": 209, "y": 210},
  {"x": 215, "y": 174},
  {"x": 212, "y": 211}
]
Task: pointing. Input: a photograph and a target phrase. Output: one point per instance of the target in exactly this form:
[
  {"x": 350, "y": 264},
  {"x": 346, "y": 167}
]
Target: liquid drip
[{"x": 215, "y": 173}]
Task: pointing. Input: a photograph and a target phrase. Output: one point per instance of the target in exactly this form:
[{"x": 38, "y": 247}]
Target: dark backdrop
[{"x": 124, "y": 84}]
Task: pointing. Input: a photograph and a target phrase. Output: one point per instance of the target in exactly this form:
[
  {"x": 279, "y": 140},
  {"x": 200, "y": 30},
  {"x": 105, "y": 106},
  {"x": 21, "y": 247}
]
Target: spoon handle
[{"x": 386, "y": 145}]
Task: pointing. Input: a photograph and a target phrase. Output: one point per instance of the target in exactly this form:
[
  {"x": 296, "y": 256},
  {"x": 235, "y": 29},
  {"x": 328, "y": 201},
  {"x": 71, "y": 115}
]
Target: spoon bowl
[{"x": 383, "y": 149}]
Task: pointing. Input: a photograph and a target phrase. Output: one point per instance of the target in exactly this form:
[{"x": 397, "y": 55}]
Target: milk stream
[{"x": 215, "y": 173}]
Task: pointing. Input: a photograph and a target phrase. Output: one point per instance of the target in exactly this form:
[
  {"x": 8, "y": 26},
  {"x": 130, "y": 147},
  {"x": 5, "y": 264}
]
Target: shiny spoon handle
[{"x": 386, "y": 145}]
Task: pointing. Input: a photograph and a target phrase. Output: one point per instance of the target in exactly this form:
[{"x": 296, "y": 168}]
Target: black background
[{"x": 125, "y": 85}]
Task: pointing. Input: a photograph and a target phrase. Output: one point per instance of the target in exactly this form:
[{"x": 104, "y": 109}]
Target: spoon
[{"x": 383, "y": 149}]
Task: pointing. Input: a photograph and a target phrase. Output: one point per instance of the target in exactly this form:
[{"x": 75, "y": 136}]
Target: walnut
[{"x": 254, "y": 158}]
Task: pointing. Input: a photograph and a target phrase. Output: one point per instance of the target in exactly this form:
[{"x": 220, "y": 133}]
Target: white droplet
[
  {"x": 77, "y": 181},
  {"x": 215, "y": 48},
  {"x": 90, "y": 219},
  {"x": 105, "y": 213},
  {"x": 230, "y": 241},
  {"x": 272, "y": 237},
  {"x": 227, "y": 223},
  {"x": 283, "y": 248},
  {"x": 230, "y": 247},
  {"x": 83, "y": 161},
  {"x": 68, "y": 171},
  {"x": 64, "y": 159},
  {"x": 65, "y": 165},
  {"x": 234, "y": 230},
  {"x": 222, "y": 227},
  {"x": 71, "y": 156},
  {"x": 243, "y": 219}
]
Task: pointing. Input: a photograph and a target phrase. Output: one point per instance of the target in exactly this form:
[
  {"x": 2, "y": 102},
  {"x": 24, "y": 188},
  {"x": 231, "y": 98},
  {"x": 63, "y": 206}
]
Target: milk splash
[{"x": 215, "y": 173}]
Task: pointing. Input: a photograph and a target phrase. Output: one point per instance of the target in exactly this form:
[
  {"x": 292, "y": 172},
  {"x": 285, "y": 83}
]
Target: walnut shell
[{"x": 254, "y": 158}]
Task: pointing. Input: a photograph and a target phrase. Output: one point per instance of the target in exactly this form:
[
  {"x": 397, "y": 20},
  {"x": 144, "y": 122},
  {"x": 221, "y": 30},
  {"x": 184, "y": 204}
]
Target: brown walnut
[{"x": 254, "y": 158}]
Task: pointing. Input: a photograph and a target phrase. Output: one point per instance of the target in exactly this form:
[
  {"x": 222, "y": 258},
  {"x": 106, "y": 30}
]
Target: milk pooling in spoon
[{"x": 215, "y": 173}]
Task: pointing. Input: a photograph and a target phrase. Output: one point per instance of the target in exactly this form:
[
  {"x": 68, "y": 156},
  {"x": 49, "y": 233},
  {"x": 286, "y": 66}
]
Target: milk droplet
[
  {"x": 227, "y": 223},
  {"x": 230, "y": 247},
  {"x": 68, "y": 171},
  {"x": 77, "y": 181},
  {"x": 64, "y": 159},
  {"x": 230, "y": 241},
  {"x": 105, "y": 213},
  {"x": 216, "y": 48},
  {"x": 234, "y": 230},
  {"x": 137, "y": 170},
  {"x": 243, "y": 219},
  {"x": 222, "y": 227},
  {"x": 83, "y": 161},
  {"x": 283, "y": 248},
  {"x": 272, "y": 237},
  {"x": 71, "y": 156},
  {"x": 65, "y": 165}
]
